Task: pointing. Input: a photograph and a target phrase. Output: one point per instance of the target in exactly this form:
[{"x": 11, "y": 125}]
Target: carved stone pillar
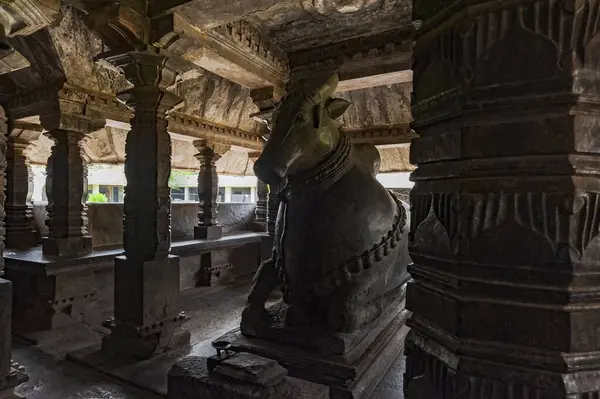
[
  {"x": 20, "y": 233},
  {"x": 66, "y": 175},
  {"x": 11, "y": 374},
  {"x": 147, "y": 318},
  {"x": 208, "y": 189},
  {"x": 66, "y": 187},
  {"x": 262, "y": 190},
  {"x": 505, "y": 228}
]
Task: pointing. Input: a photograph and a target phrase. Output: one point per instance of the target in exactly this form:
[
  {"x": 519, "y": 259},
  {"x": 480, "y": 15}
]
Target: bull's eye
[{"x": 300, "y": 118}]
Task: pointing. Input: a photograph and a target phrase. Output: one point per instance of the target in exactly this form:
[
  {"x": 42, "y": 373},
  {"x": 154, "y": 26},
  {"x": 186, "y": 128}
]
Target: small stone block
[
  {"x": 253, "y": 369},
  {"x": 190, "y": 379},
  {"x": 208, "y": 232},
  {"x": 76, "y": 246}
]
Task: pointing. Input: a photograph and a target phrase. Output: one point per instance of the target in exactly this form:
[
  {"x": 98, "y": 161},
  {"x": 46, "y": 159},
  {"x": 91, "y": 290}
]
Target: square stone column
[
  {"x": 208, "y": 188},
  {"x": 20, "y": 233},
  {"x": 505, "y": 233},
  {"x": 147, "y": 319}
]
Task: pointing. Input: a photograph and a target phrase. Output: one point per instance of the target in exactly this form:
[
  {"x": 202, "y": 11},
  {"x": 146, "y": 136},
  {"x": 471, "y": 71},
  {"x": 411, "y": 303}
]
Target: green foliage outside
[
  {"x": 97, "y": 197},
  {"x": 177, "y": 173}
]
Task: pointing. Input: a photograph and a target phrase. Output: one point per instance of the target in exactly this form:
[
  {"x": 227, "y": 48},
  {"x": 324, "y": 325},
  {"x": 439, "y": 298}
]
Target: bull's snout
[{"x": 266, "y": 172}]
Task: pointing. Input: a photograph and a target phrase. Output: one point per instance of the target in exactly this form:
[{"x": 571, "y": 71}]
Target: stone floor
[{"x": 213, "y": 312}]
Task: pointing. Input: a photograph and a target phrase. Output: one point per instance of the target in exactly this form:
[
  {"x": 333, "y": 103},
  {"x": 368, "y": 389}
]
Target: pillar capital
[{"x": 211, "y": 149}]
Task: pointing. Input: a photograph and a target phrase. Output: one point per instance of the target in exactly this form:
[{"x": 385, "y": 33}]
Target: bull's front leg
[{"x": 255, "y": 316}]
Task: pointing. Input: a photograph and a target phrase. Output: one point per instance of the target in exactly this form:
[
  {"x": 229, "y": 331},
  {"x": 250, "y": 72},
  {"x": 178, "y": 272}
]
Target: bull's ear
[{"x": 336, "y": 107}]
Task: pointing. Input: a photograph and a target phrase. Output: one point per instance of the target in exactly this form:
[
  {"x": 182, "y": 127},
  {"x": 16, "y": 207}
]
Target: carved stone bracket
[{"x": 266, "y": 100}]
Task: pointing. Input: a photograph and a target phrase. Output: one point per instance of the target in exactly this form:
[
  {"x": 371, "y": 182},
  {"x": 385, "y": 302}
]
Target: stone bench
[{"x": 50, "y": 292}]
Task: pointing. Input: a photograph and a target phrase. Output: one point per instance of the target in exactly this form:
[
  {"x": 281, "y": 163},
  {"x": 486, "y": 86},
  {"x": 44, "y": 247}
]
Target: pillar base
[
  {"x": 208, "y": 232},
  {"x": 147, "y": 319},
  {"x": 76, "y": 246}
]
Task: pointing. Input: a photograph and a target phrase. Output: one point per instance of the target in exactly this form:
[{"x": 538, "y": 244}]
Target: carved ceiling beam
[
  {"x": 24, "y": 17},
  {"x": 236, "y": 51},
  {"x": 191, "y": 127},
  {"x": 375, "y": 60},
  {"x": 382, "y": 135}
]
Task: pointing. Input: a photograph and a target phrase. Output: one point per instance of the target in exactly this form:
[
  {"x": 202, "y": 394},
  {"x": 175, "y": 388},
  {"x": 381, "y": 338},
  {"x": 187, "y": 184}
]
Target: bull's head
[{"x": 303, "y": 132}]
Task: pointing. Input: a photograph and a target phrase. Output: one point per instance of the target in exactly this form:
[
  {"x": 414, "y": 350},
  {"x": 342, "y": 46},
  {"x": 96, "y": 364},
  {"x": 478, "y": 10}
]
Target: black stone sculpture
[{"x": 340, "y": 253}]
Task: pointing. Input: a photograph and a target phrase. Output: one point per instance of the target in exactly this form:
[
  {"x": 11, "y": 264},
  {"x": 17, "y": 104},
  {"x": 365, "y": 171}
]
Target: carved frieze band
[
  {"x": 467, "y": 49},
  {"x": 567, "y": 222},
  {"x": 254, "y": 42}
]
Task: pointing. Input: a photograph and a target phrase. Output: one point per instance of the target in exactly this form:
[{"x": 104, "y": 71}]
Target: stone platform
[{"x": 351, "y": 376}]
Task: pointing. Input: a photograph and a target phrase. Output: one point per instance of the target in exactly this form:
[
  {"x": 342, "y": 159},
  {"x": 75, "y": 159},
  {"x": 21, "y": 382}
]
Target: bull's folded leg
[{"x": 254, "y": 316}]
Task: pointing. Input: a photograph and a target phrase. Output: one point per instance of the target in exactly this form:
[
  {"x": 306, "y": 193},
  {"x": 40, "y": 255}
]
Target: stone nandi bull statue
[{"x": 340, "y": 252}]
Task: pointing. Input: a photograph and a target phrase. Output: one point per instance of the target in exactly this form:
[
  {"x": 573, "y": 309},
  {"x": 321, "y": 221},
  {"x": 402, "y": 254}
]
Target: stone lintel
[
  {"x": 198, "y": 128},
  {"x": 236, "y": 51},
  {"x": 356, "y": 59}
]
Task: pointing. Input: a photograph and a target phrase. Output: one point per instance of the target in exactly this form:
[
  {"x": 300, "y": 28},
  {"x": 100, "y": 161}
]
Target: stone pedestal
[
  {"x": 239, "y": 376},
  {"x": 353, "y": 374},
  {"x": 51, "y": 293},
  {"x": 208, "y": 189},
  {"x": 147, "y": 316},
  {"x": 19, "y": 190},
  {"x": 65, "y": 182},
  {"x": 504, "y": 209}
]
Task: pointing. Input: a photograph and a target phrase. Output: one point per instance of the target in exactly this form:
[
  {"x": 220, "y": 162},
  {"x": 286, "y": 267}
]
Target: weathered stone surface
[{"x": 299, "y": 24}]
